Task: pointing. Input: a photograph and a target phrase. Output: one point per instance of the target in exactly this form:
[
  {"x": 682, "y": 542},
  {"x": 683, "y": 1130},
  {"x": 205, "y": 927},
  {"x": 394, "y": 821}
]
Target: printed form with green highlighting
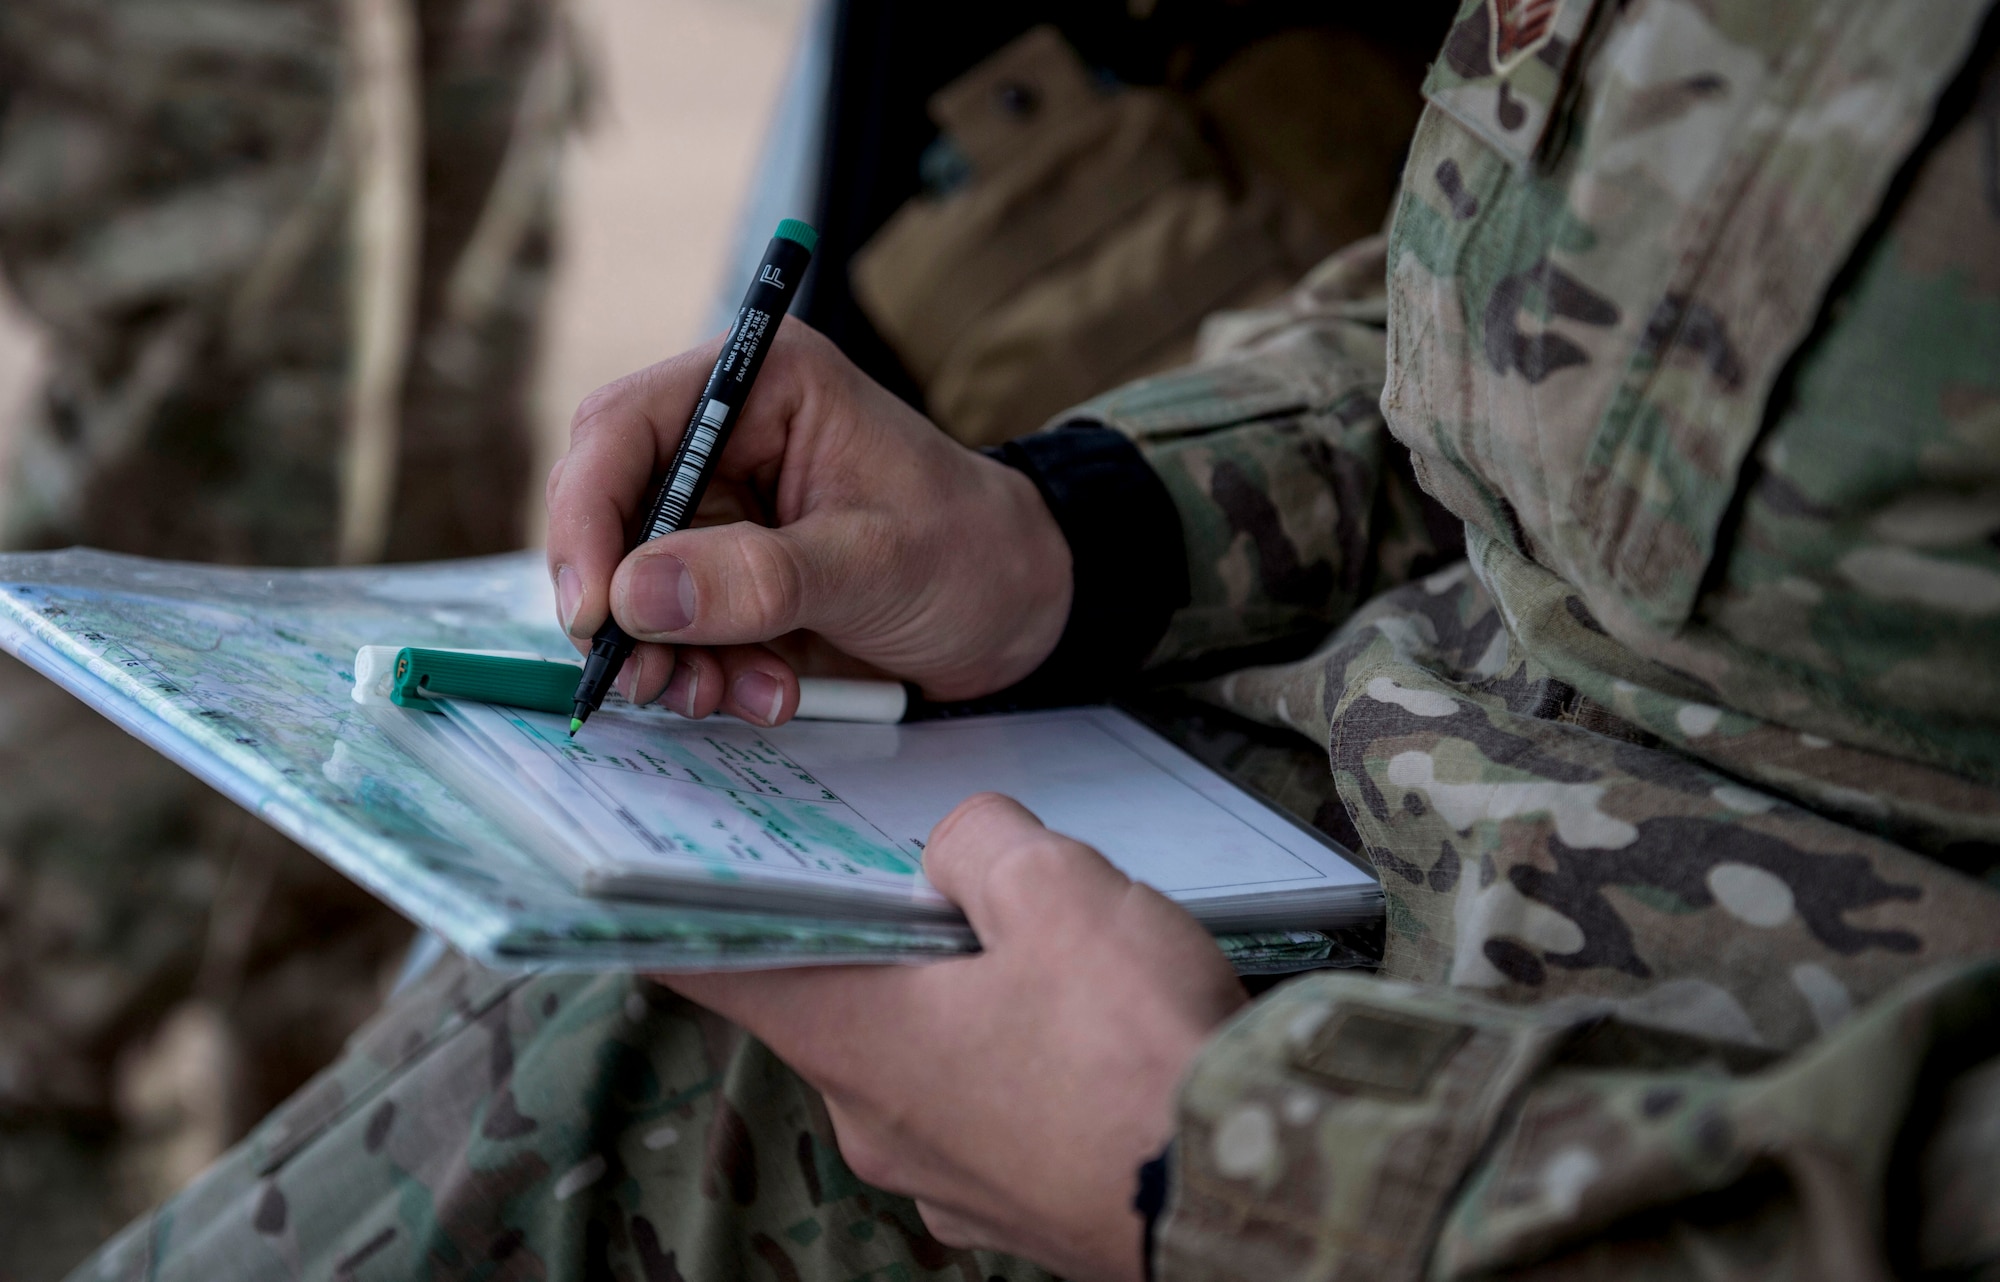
[{"x": 648, "y": 841}]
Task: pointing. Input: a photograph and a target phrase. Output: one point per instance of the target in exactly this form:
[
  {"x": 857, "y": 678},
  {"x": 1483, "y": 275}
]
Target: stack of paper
[
  {"x": 819, "y": 817},
  {"x": 750, "y": 847}
]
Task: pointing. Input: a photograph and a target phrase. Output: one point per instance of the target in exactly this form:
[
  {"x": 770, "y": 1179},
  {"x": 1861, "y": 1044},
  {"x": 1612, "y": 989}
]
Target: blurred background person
[
  {"x": 287, "y": 262},
  {"x": 285, "y": 266}
]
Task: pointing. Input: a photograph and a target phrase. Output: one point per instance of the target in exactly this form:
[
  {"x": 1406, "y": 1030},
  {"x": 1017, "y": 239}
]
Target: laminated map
[{"x": 244, "y": 677}]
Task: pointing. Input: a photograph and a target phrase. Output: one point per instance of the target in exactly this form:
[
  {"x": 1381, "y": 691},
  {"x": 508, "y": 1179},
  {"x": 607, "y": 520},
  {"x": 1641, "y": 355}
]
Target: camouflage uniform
[
  {"x": 192, "y": 207},
  {"x": 205, "y": 201},
  {"x": 1683, "y": 785}
]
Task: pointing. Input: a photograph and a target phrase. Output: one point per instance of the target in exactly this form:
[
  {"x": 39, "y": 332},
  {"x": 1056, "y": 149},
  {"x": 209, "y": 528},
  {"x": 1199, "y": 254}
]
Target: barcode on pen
[{"x": 680, "y": 489}]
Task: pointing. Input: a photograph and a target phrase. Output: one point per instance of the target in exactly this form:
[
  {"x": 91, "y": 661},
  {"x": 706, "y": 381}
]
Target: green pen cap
[
  {"x": 542, "y": 684},
  {"x": 799, "y": 233}
]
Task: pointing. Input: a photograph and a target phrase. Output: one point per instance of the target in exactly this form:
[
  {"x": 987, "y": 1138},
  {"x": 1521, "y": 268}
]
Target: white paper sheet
[{"x": 646, "y": 803}]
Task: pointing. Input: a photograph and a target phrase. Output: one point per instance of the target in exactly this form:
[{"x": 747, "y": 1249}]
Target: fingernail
[
  {"x": 569, "y": 597},
  {"x": 627, "y": 683},
  {"x": 755, "y": 690},
  {"x": 660, "y": 595},
  {"x": 681, "y": 690}
]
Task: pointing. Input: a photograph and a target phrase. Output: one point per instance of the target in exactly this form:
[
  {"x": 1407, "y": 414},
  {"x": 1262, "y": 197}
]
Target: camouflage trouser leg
[{"x": 546, "y": 1127}]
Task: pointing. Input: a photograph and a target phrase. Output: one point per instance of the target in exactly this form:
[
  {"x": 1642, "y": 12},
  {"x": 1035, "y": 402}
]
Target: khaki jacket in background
[{"x": 1097, "y": 227}]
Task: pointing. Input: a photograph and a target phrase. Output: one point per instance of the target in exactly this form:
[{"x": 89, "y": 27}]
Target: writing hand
[{"x": 866, "y": 525}]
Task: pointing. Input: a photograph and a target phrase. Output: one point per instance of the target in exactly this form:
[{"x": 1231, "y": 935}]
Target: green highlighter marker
[
  {"x": 421, "y": 675},
  {"x": 412, "y": 677}
]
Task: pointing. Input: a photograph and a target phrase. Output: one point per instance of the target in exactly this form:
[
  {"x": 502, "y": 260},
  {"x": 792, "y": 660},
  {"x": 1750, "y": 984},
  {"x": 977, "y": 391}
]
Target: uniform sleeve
[
  {"x": 1352, "y": 1128},
  {"x": 1239, "y": 507},
  {"x": 1294, "y": 503}
]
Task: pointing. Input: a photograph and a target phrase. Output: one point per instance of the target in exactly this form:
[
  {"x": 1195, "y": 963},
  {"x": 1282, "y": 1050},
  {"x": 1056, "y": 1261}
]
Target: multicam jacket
[{"x": 1685, "y": 786}]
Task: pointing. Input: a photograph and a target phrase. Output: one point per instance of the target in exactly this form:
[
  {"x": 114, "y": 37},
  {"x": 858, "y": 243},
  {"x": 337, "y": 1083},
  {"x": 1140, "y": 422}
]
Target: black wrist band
[
  {"x": 1151, "y": 1202},
  {"x": 1128, "y": 560}
]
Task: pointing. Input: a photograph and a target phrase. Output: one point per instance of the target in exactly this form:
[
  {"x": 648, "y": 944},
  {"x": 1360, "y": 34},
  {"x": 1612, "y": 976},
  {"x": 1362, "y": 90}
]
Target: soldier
[
  {"x": 204, "y": 204},
  {"x": 1681, "y": 784}
]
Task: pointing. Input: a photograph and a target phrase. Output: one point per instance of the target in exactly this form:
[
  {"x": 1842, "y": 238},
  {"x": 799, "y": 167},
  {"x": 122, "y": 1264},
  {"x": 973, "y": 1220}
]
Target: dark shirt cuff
[
  {"x": 1150, "y": 1201},
  {"x": 1129, "y": 564}
]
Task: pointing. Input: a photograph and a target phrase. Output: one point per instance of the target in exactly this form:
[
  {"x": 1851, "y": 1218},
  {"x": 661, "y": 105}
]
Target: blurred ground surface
[
  {"x": 651, "y": 197},
  {"x": 653, "y": 190}
]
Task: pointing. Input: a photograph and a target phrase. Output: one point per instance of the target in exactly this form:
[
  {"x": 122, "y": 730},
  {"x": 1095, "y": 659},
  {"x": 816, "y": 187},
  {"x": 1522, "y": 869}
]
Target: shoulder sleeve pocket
[{"x": 1504, "y": 68}]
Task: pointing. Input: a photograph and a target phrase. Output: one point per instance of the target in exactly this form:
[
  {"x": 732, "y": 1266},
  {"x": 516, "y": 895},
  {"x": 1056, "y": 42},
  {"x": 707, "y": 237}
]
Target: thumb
[
  {"x": 993, "y": 858},
  {"x": 731, "y": 584}
]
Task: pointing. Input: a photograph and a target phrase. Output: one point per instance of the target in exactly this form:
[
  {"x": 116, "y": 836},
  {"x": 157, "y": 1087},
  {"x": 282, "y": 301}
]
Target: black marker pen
[{"x": 721, "y": 404}]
